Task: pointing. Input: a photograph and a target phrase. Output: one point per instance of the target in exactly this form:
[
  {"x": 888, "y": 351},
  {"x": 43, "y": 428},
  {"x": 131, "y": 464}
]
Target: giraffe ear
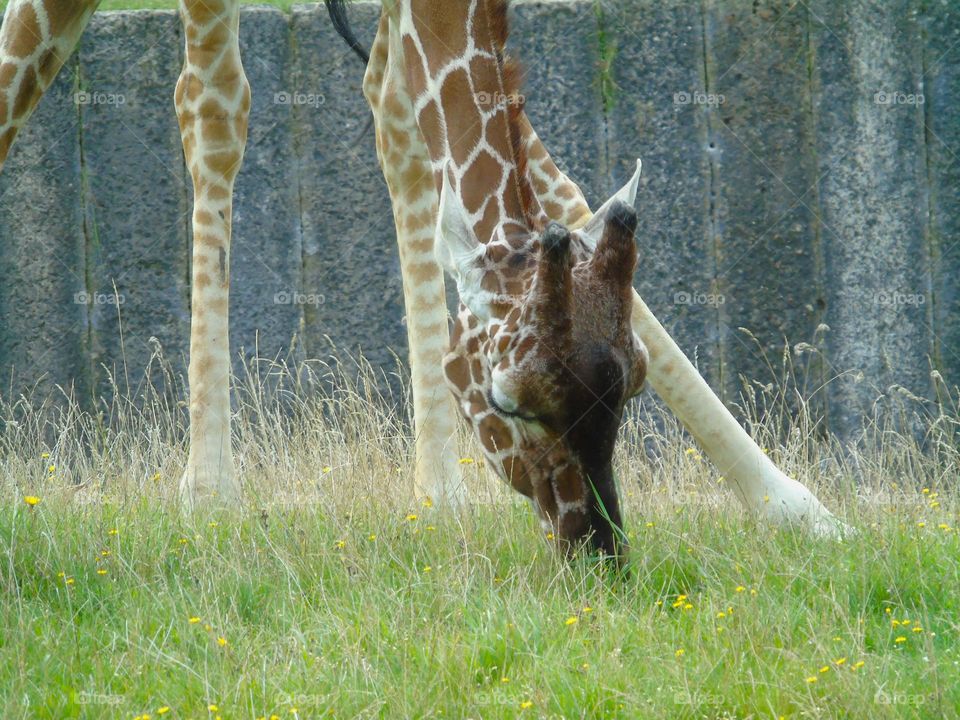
[
  {"x": 593, "y": 230},
  {"x": 457, "y": 250}
]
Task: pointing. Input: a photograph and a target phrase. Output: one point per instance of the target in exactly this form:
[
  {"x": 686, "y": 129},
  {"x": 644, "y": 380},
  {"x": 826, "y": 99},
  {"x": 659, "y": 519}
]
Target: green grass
[{"x": 338, "y": 595}]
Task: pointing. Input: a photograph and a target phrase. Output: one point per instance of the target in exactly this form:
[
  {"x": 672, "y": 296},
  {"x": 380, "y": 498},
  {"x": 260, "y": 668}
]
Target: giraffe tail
[{"x": 341, "y": 23}]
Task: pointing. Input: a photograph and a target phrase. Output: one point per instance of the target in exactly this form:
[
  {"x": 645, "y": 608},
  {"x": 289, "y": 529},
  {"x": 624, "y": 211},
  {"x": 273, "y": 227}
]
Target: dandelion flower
[
  {"x": 427, "y": 568},
  {"x": 411, "y": 517},
  {"x": 900, "y": 639},
  {"x": 825, "y": 668},
  {"x": 31, "y": 500},
  {"x": 52, "y": 469},
  {"x": 917, "y": 629},
  {"x": 101, "y": 571},
  {"x": 812, "y": 679},
  {"x": 587, "y": 609},
  {"x": 549, "y": 536},
  {"x": 113, "y": 531},
  {"x": 194, "y": 620},
  {"x": 526, "y": 704},
  {"x": 839, "y": 661},
  {"x": 572, "y": 620},
  {"x": 341, "y": 544},
  {"x": 212, "y": 708},
  {"x": 739, "y": 588},
  {"x": 858, "y": 664},
  {"x": 371, "y": 537},
  {"x": 222, "y": 641},
  {"x": 44, "y": 455},
  {"x": 325, "y": 469},
  {"x": 431, "y": 528},
  {"x": 427, "y": 503},
  {"x": 679, "y": 652},
  {"x": 163, "y": 710}
]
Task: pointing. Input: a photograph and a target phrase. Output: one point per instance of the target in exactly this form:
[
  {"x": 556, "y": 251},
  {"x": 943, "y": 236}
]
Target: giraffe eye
[{"x": 508, "y": 413}]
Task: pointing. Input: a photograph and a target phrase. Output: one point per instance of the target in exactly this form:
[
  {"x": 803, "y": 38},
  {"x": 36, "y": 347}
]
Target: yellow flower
[
  {"x": 101, "y": 571},
  {"x": 921, "y": 524},
  {"x": 943, "y": 526},
  {"x": 526, "y": 704},
  {"x": 688, "y": 606},
  {"x": 466, "y": 461},
  {"x": 825, "y": 668},
  {"x": 52, "y": 469},
  {"x": 812, "y": 679},
  {"x": 411, "y": 517},
  {"x": 679, "y": 652},
  {"x": 900, "y": 639},
  {"x": 650, "y": 524},
  {"x": 739, "y": 588},
  {"x": 587, "y": 609},
  {"x": 371, "y": 537},
  {"x": 31, "y": 500},
  {"x": 44, "y": 455},
  {"x": 113, "y": 531},
  {"x": 427, "y": 569},
  {"x": 212, "y": 708},
  {"x": 504, "y": 679},
  {"x": 208, "y": 627},
  {"x": 341, "y": 544},
  {"x": 427, "y": 503},
  {"x": 549, "y": 536},
  {"x": 222, "y": 641},
  {"x": 163, "y": 710},
  {"x": 326, "y": 468},
  {"x": 766, "y": 498},
  {"x": 156, "y": 476},
  {"x": 213, "y": 523},
  {"x": 721, "y": 615},
  {"x": 184, "y": 541},
  {"x": 572, "y": 620},
  {"x": 839, "y": 661},
  {"x": 926, "y": 491},
  {"x": 430, "y": 528},
  {"x": 935, "y": 504},
  {"x": 895, "y": 623},
  {"x": 917, "y": 629},
  {"x": 70, "y": 581},
  {"x": 753, "y": 591},
  {"x": 888, "y": 610},
  {"x": 194, "y": 620},
  {"x": 858, "y": 664}
]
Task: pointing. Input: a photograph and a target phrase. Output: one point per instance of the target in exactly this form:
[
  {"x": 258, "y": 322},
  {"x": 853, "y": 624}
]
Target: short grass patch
[{"x": 335, "y": 593}]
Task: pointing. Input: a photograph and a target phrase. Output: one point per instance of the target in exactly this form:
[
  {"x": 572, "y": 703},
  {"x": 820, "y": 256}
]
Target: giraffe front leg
[
  {"x": 407, "y": 170},
  {"x": 213, "y": 104}
]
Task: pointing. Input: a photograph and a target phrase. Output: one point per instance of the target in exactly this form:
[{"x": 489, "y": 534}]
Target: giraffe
[
  {"x": 426, "y": 183},
  {"x": 430, "y": 67},
  {"x": 212, "y": 100}
]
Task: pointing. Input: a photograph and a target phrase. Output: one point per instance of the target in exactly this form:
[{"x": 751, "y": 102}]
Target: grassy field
[{"x": 336, "y": 594}]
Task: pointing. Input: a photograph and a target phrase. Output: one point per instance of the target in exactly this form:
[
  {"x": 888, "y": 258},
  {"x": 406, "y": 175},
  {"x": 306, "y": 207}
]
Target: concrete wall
[{"x": 800, "y": 168}]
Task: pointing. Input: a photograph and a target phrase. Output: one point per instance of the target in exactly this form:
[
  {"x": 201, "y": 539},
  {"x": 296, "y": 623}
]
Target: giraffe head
[{"x": 544, "y": 357}]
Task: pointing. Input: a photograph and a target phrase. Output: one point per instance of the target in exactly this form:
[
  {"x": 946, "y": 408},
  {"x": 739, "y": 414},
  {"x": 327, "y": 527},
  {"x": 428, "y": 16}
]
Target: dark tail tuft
[{"x": 341, "y": 23}]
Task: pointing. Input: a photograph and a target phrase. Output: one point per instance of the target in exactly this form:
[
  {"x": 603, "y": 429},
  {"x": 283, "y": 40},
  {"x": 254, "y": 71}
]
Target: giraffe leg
[
  {"x": 36, "y": 39},
  {"x": 407, "y": 170},
  {"x": 213, "y": 103}
]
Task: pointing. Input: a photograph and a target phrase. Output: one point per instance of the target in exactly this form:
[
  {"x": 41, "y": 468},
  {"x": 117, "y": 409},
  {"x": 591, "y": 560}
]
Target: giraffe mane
[{"x": 512, "y": 77}]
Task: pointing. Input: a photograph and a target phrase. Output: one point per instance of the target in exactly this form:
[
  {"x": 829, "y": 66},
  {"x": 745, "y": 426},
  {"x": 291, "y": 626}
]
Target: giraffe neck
[{"x": 456, "y": 76}]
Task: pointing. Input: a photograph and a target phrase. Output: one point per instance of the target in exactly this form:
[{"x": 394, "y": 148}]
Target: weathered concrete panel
[
  {"x": 941, "y": 90},
  {"x": 873, "y": 206},
  {"x": 266, "y": 262},
  {"x": 557, "y": 45},
  {"x": 658, "y": 65},
  {"x": 350, "y": 257},
  {"x": 136, "y": 212},
  {"x": 760, "y": 142},
  {"x": 43, "y": 327}
]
